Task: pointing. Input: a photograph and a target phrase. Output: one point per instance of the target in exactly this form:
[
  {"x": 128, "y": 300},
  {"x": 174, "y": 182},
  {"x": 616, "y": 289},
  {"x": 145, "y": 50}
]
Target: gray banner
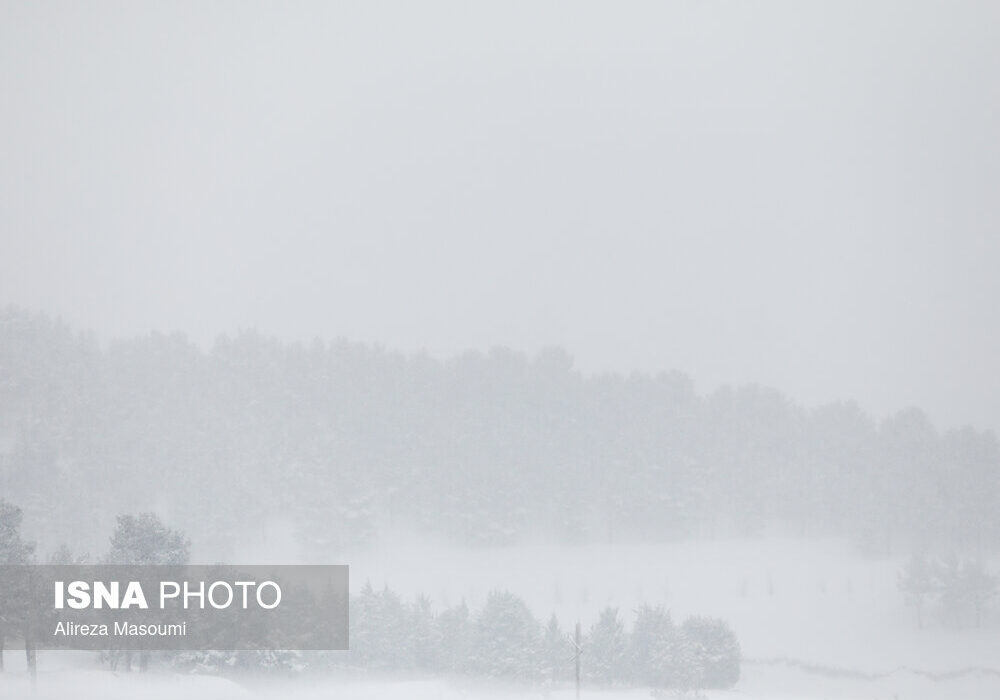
[{"x": 101, "y": 607}]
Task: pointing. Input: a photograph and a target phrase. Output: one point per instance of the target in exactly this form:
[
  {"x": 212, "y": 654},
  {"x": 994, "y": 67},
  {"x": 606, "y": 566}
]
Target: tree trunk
[
  {"x": 29, "y": 653},
  {"x": 577, "y": 642}
]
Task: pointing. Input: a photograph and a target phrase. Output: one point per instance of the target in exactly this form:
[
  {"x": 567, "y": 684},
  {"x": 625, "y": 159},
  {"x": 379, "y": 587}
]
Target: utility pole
[{"x": 579, "y": 651}]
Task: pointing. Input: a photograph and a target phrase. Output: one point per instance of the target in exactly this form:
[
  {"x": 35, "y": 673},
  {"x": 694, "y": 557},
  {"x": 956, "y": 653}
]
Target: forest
[
  {"x": 341, "y": 440},
  {"x": 502, "y": 641}
]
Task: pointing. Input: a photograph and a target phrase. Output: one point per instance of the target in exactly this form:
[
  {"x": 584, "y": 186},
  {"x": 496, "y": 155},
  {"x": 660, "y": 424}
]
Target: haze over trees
[
  {"x": 504, "y": 641},
  {"x": 501, "y": 641},
  {"x": 13, "y": 551},
  {"x": 342, "y": 439},
  {"x": 144, "y": 540},
  {"x": 963, "y": 589}
]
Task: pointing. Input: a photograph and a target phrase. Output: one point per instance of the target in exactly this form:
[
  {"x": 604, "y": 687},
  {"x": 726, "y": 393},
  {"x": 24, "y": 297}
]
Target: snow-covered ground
[
  {"x": 96, "y": 684},
  {"x": 808, "y": 600},
  {"x": 815, "y": 621}
]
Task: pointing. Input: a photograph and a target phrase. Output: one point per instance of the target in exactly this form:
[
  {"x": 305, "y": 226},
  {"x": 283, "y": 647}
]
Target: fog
[
  {"x": 799, "y": 196},
  {"x": 531, "y": 313}
]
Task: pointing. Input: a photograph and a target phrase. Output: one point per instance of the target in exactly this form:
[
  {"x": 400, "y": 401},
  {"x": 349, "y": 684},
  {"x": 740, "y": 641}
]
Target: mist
[
  {"x": 658, "y": 337},
  {"x": 798, "y": 197}
]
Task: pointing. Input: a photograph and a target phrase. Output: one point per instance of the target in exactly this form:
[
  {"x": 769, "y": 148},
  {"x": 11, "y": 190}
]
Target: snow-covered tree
[
  {"x": 919, "y": 581},
  {"x": 63, "y": 555},
  {"x": 13, "y": 550},
  {"x": 607, "y": 649},
  {"x": 380, "y": 634},
  {"x": 422, "y": 633},
  {"x": 557, "y": 652},
  {"x": 453, "y": 638},
  {"x": 715, "y": 651},
  {"x": 967, "y": 588},
  {"x": 487, "y": 447},
  {"x": 653, "y": 630},
  {"x": 506, "y": 639},
  {"x": 143, "y": 539}
]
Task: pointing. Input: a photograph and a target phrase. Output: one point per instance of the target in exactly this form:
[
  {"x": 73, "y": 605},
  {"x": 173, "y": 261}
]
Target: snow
[
  {"x": 815, "y": 620},
  {"x": 813, "y": 601},
  {"x": 101, "y": 685}
]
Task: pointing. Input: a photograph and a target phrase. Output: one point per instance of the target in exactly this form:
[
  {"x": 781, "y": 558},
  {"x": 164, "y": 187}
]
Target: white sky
[{"x": 803, "y": 195}]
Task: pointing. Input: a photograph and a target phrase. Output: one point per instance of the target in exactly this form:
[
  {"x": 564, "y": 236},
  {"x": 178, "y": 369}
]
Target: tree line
[
  {"x": 959, "y": 591},
  {"x": 343, "y": 439},
  {"x": 504, "y": 641},
  {"x": 501, "y": 641}
]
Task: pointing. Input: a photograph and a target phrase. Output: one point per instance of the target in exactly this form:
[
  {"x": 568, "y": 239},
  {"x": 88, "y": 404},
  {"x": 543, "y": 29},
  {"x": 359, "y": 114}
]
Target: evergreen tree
[
  {"x": 143, "y": 540},
  {"x": 506, "y": 639},
  {"x": 63, "y": 555},
  {"x": 453, "y": 638},
  {"x": 607, "y": 649},
  {"x": 488, "y": 447},
  {"x": 967, "y": 588},
  {"x": 557, "y": 653},
  {"x": 653, "y": 630},
  {"x": 676, "y": 664},
  {"x": 380, "y": 634},
  {"x": 715, "y": 651},
  {"x": 422, "y": 633},
  {"x": 920, "y": 581},
  {"x": 13, "y": 551}
]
